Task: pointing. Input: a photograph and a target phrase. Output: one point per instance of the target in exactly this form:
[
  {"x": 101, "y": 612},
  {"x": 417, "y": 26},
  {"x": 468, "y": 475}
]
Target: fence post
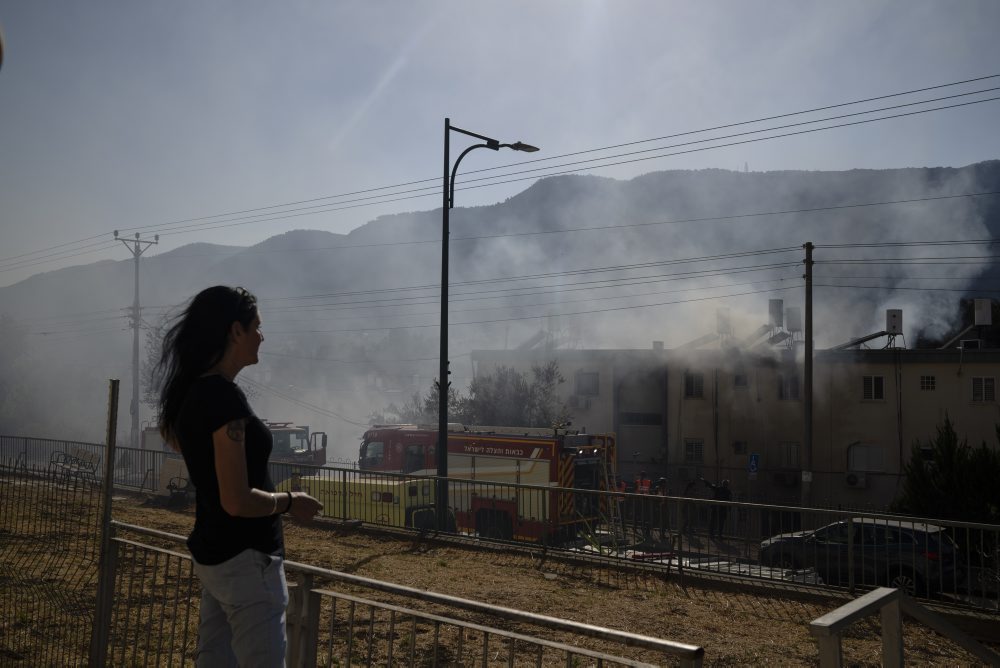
[
  {"x": 310, "y": 626},
  {"x": 829, "y": 651},
  {"x": 892, "y": 635},
  {"x": 302, "y": 623},
  {"x": 292, "y": 625},
  {"x": 108, "y": 560}
]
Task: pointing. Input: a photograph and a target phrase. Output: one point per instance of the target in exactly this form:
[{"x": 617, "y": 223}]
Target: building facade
[{"x": 736, "y": 413}]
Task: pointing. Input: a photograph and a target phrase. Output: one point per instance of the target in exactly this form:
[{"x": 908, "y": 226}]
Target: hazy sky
[{"x": 125, "y": 115}]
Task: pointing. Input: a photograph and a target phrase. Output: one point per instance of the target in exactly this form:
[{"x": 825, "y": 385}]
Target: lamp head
[{"x": 521, "y": 146}]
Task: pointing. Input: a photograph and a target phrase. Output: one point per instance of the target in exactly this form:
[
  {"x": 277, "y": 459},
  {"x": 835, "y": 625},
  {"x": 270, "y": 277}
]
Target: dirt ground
[{"x": 736, "y": 625}]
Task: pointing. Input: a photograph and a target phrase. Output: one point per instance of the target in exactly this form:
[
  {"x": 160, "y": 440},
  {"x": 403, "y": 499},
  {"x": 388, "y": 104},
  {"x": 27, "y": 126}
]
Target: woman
[{"x": 237, "y": 542}]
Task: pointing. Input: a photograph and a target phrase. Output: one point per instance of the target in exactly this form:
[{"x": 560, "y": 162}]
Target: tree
[
  {"x": 507, "y": 398},
  {"x": 545, "y": 410},
  {"x": 503, "y": 398},
  {"x": 947, "y": 479},
  {"x": 417, "y": 410}
]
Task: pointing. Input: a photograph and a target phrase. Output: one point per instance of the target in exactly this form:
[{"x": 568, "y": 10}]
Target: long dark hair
[{"x": 195, "y": 343}]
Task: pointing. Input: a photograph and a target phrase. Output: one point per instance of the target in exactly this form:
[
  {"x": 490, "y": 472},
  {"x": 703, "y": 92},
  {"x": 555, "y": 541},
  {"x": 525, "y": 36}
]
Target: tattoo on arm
[{"x": 236, "y": 430}]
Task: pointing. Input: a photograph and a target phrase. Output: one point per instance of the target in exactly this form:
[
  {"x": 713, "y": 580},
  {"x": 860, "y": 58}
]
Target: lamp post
[{"x": 448, "y": 191}]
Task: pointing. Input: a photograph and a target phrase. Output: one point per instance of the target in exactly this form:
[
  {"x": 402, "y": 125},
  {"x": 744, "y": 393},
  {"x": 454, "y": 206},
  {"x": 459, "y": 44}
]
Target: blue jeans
[{"x": 243, "y": 603}]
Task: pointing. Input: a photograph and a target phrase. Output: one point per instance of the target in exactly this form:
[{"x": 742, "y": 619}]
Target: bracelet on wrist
[
  {"x": 289, "y": 506},
  {"x": 274, "y": 503}
]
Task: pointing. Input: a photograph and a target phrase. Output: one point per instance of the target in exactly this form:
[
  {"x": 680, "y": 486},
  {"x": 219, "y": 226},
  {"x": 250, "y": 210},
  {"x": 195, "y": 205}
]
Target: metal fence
[
  {"x": 59, "y": 608},
  {"x": 49, "y": 552},
  {"x": 954, "y": 563},
  {"x": 333, "y": 619}
]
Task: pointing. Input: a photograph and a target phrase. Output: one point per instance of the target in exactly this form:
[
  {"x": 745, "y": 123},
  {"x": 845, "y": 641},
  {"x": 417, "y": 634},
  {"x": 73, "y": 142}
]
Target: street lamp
[{"x": 441, "y": 502}]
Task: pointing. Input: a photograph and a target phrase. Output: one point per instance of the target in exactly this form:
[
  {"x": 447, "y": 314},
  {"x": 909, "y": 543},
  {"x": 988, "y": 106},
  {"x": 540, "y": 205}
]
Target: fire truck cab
[
  {"x": 295, "y": 445},
  {"x": 508, "y": 483}
]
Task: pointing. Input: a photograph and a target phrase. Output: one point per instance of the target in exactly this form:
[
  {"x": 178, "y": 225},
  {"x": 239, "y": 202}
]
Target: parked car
[{"x": 919, "y": 558}]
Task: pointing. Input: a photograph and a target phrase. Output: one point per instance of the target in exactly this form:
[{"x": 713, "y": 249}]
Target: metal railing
[
  {"x": 155, "y": 590},
  {"x": 57, "y": 608},
  {"x": 958, "y": 566},
  {"x": 890, "y": 604}
]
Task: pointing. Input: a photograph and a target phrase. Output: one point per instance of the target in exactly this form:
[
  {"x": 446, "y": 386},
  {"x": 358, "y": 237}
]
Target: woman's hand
[{"x": 304, "y": 507}]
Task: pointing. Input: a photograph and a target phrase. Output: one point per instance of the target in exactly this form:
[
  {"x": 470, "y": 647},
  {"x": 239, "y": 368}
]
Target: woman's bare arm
[{"x": 236, "y": 495}]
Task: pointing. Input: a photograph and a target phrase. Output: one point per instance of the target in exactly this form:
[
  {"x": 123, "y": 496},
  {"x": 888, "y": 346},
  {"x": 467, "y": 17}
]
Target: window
[
  {"x": 865, "y": 457},
  {"x": 587, "y": 383},
  {"x": 984, "y": 389},
  {"x": 740, "y": 379},
  {"x": 873, "y": 388},
  {"x": 694, "y": 448},
  {"x": 374, "y": 454},
  {"x": 641, "y": 419},
  {"x": 694, "y": 385},
  {"x": 835, "y": 534},
  {"x": 788, "y": 386},
  {"x": 788, "y": 455},
  {"x": 928, "y": 383}
]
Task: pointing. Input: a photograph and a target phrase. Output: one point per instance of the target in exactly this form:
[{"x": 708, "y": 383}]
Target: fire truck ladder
[{"x": 615, "y": 520}]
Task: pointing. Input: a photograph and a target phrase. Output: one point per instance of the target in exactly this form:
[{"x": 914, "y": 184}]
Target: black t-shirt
[{"x": 211, "y": 403}]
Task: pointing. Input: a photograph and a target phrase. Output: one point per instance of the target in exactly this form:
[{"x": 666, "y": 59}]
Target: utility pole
[
  {"x": 807, "y": 384},
  {"x": 137, "y": 248}
]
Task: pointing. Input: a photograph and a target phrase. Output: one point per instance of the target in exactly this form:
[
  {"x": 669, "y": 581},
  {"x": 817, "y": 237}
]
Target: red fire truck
[{"x": 505, "y": 482}]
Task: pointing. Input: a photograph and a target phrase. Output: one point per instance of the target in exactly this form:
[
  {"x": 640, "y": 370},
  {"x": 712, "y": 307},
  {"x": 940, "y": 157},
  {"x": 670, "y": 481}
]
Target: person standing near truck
[
  {"x": 718, "y": 512},
  {"x": 237, "y": 543}
]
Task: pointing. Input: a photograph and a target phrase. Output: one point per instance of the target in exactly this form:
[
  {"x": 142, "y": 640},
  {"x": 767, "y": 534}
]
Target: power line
[
  {"x": 202, "y": 218},
  {"x": 326, "y": 412},
  {"x": 590, "y": 288},
  {"x": 434, "y": 179},
  {"x": 342, "y": 206},
  {"x": 512, "y": 293},
  {"x": 536, "y": 317},
  {"x": 899, "y": 287},
  {"x": 952, "y": 259},
  {"x": 546, "y": 275},
  {"x": 902, "y": 244}
]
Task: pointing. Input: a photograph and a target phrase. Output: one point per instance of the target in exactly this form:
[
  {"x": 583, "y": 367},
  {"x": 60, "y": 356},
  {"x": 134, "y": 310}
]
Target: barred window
[
  {"x": 928, "y": 383},
  {"x": 984, "y": 389},
  {"x": 788, "y": 455},
  {"x": 694, "y": 385},
  {"x": 873, "y": 388},
  {"x": 694, "y": 449}
]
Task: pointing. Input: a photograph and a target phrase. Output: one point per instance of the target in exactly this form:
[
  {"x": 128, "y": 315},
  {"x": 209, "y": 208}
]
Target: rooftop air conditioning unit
[
  {"x": 971, "y": 344},
  {"x": 856, "y": 479}
]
